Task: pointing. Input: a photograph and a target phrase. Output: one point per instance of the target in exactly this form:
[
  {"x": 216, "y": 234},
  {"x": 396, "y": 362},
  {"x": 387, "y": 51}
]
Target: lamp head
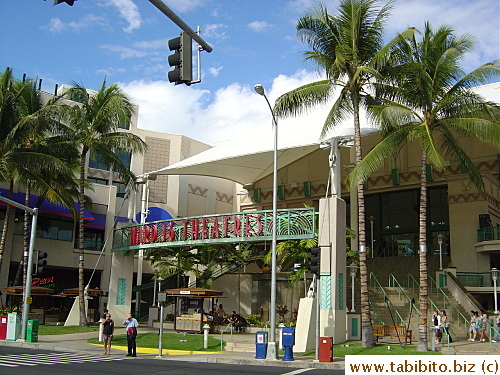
[
  {"x": 440, "y": 239},
  {"x": 259, "y": 89}
]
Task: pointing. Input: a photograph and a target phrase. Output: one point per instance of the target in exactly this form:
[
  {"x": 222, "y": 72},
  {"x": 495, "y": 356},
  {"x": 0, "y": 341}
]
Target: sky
[{"x": 253, "y": 41}]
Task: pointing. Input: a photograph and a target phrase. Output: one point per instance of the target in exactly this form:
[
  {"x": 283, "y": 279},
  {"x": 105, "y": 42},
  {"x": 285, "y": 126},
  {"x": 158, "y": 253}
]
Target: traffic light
[
  {"x": 69, "y": 2},
  {"x": 40, "y": 262},
  {"x": 181, "y": 60},
  {"x": 314, "y": 260}
]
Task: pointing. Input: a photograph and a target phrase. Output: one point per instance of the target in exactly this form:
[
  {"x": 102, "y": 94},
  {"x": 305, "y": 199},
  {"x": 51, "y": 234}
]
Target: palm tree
[
  {"x": 93, "y": 125},
  {"x": 432, "y": 102},
  {"x": 29, "y": 154},
  {"x": 348, "y": 47}
]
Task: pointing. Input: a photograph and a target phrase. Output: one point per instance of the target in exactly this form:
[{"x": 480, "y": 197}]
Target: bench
[{"x": 392, "y": 331}]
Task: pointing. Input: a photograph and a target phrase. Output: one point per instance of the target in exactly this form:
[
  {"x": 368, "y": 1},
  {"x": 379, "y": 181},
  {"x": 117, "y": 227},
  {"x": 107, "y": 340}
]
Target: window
[
  {"x": 96, "y": 162},
  {"x": 121, "y": 189},
  {"x": 93, "y": 239},
  {"x": 47, "y": 227},
  {"x": 97, "y": 181}
]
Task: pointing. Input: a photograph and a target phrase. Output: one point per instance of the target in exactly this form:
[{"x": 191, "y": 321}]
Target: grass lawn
[
  {"x": 172, "y": 341},
  {"x": 62, "y": 330},
  {"x": 355, "y": 348}
]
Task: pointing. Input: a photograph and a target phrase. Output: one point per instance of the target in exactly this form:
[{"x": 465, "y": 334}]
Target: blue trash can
[
  {"x": 260, "y": 345},
  {"x": 288, "y": 343}
]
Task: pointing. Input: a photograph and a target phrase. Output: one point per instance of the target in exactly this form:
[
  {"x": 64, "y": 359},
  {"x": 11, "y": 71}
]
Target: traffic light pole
[
  {"x": 27, "y": 292},
  {"x": 179, "y": 22}
]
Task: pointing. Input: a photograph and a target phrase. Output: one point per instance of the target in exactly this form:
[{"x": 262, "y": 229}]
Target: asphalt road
[{"x": 26, "y": 361}]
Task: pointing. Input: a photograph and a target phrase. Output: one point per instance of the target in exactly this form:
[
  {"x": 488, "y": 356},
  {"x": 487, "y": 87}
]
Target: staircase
[{"x": 395, "y": 281}]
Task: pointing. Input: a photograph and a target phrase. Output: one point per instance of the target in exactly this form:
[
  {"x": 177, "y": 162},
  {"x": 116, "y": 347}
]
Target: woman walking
[
  {"x": 445, "y": 325},
  {"x": 107, "y": 333},
  {"x": 436, "y": 320},
  {"x": 473, "y": 326}
]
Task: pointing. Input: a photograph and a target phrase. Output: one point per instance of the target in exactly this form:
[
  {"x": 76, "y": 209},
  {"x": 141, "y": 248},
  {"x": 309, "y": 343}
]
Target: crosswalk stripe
[{"x": 16, "y": 360}]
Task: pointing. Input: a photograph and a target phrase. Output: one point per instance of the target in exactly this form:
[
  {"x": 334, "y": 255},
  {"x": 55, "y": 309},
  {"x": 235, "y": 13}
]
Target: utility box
[
  {"x": 32, "y": 330},
  {"x": 3, "y": 327},
  {"x": 260, "y": 344},
  {"x": 288, "y": 343},
  {"x": 13, "y": 327},
  {"x": 325, "y": 349}
]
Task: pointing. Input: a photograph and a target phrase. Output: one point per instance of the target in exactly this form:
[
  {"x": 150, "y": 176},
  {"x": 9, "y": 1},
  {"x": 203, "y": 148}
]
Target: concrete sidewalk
[{"x": 78, "y": 342}]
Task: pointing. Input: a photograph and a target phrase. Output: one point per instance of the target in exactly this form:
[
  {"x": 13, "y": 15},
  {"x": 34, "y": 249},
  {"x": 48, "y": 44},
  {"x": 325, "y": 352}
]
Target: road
[{"x": 26, "y": 361}]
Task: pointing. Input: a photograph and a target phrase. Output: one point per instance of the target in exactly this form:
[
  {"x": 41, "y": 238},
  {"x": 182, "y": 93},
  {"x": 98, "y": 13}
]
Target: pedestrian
[
  {"x": 472, "y": 326},
  {"x": 131, "y": 327},
  {"x": 108, "y": 328},
  {"x": 445, "y": 326},
  {"x": 483, "y": 319},
  {"x": 436, "y": 321},
  {"x": 103, "y": 318},
  {"x": 497, "y": 327}
]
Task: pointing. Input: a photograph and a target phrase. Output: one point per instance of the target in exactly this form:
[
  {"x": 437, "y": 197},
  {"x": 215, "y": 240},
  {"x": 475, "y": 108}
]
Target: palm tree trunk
[
  {"x": 6, "y": 225},
  {"x": 422, "y": 321},
  {"x": 81, "y": 237},
  {"x": 368, "y": 340}
]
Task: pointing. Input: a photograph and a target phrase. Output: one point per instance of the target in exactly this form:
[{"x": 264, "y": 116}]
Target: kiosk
[{"x": 190, "y": 314}]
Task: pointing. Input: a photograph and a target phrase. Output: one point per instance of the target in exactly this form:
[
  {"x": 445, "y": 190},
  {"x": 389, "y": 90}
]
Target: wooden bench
[{"x": 392, "y": 331}]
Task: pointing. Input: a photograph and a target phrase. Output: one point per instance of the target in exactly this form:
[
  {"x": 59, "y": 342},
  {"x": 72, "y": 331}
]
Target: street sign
[{"x": 29, "y": 300}]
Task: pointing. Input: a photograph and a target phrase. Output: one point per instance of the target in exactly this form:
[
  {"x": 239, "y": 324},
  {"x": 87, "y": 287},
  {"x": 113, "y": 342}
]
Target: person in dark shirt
[
  {"x": 240, "y": 323},
  {"x": 107, "y": 333}
]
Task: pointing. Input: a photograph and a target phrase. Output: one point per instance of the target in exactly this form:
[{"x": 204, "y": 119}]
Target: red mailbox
[
  {"x": 325, "y": 349},
  {"x": 3, "y": 327}
]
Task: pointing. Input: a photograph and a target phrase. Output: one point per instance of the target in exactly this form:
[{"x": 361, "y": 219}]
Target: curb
[{"x": 208, "y": 357}]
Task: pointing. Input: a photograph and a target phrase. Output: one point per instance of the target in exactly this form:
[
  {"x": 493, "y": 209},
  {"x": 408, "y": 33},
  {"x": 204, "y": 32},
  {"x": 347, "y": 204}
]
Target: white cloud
[
  {"x": 186, "y": 5},
  {"x": 214, "y": 31},
  {"x": 111, "y": 71},
  {"x": 230, "y": 112},
  {"x": 259, "y": 26},
  {"x": 214, "y": 71},
  {"x": 124, "y": 52},
  {"x": 475, "y": 17},
  {"x": 89, "y": 21},
  {"x": 128, "y": 11}
]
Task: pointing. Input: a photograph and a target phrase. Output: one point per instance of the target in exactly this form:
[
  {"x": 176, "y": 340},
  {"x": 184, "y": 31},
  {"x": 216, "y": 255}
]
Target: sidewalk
[{"x": 78, "y": 342}]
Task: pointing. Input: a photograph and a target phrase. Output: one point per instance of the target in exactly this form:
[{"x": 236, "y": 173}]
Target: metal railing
[
  {"x": 231, "y": 328},
  {"x": 488, "y": 234},
  {"x": 372, "y": 307},
  {"x": 447, "y": 302},
  {"x": 393, "y": 282},
  {"x": 374, "y": 283},
  {"x": 475, "y": 279},
  {"x": 218, "y": 272}
]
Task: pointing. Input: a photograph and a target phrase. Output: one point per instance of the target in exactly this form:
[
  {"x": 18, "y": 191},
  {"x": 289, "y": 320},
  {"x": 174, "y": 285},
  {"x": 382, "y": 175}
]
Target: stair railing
[
  {"x": 393, "y": 282},
  {"x": 451, "y": 305},
  {"x": 372, "y": 307},
  {"x": 229, "y": 327},
  {"x": 218, "y": 272},
  {"x": 374, "y": 283},
  {"x": 460, "y": 317}
]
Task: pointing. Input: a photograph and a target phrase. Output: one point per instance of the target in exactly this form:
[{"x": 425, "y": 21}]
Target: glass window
[
  {"x": 438, "y": 208},
  {"x": 97, "y": 181},
  {"x": 125, "y": 125},
  {"x": 47, "y": 227},
  {"x": 121, "y": 189},
  {"x": 96, "y": 162},
  {"x": 93, "y": 239}
]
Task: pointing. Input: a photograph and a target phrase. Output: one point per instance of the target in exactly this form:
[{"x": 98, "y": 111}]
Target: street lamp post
[
  {"x": 494, "y": 277},
  {"x": 371, "y": 232},
  {"x": 440, "y": 242},
  {"x": 271, "y": 346},
  {"x": 354, "y": 268}
]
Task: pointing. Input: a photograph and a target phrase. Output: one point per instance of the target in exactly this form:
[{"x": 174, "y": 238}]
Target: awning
[
  {"x": 46, "y": 207},
  {"x": 240, "y": 162},
  {"x": 155, "y": 214}
]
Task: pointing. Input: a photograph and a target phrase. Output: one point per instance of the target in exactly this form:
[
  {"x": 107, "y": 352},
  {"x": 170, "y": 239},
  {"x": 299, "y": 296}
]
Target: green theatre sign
[{"x": 254, "y": 226}]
